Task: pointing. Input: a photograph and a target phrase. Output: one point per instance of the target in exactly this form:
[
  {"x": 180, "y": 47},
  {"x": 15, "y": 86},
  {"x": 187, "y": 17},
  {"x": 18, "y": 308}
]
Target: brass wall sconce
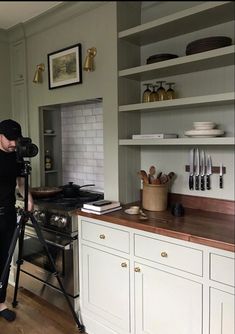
[
  {"x": 38, "y": 74},
  {"x": 89, "y": 61}
]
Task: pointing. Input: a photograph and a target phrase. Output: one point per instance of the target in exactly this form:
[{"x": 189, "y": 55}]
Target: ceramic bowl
[
  {"x": 49, "y": 131},
  {"x": 204, "y": 125}
]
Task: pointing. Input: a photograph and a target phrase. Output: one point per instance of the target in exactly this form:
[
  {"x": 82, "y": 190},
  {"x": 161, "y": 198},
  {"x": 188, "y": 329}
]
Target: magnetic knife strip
[{"x": 200, "y": 169}]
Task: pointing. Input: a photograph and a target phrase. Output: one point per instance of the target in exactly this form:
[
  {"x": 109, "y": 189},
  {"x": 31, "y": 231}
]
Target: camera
[{"x": 25, "y": 148}]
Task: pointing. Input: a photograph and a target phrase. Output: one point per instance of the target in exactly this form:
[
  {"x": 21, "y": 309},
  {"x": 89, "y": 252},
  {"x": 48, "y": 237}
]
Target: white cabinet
[
  {"x": 169, "y": 254},
  {"x": 221, "y": 312},
  {"x": 137, "y": 282},
  {"x": 166, "y": 303},
  {"x": 105, "y": 277},
  {"x": 222, "y": 298},
  {"x": 106, "y": 290}
]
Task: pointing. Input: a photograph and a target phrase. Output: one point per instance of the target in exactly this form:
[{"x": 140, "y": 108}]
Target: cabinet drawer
[
  {"x": 170, "y": 254},
  {"x": 105, "y": 236},
  {"x": 222, "y": 269}
]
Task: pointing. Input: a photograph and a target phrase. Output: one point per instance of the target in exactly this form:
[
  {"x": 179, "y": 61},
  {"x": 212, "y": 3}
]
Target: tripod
[{"x": 23, "y": 217}]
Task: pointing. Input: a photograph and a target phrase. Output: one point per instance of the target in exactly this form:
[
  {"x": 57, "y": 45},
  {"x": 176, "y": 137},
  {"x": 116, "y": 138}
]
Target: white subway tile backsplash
[
  {"x": 98, "y": 155},
  {"x": 90, "y": 119},
  {"x": 90, "y": 133},
  {"x": 99, "y": 133},
  {"x": 82, "y": 144},
  {"x": 98, "y": 141}
]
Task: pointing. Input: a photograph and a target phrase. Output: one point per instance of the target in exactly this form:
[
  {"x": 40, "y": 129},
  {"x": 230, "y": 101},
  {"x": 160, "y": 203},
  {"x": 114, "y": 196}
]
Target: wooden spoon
[
  {"x": 152, "y": 172},
  {"x": 164, "y": 178},
  {"x": 143, "y": 175}
]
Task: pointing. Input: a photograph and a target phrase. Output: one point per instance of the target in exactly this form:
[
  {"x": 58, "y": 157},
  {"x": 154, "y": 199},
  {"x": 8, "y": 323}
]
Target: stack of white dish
[{"x": 204, "y": 129}]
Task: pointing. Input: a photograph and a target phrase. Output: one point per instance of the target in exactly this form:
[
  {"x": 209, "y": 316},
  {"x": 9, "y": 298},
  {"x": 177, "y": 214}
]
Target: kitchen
[{"x": 121, "y": 162}]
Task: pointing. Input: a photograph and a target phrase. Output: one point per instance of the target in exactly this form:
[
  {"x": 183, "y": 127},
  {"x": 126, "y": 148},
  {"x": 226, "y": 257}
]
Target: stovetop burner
[{"x": 64, "y": 203}]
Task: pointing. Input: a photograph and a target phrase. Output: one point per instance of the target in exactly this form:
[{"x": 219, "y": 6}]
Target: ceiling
[{"x": 14, "y": 12}]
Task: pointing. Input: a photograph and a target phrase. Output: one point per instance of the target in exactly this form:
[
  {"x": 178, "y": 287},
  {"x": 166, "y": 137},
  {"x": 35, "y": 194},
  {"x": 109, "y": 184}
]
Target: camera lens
[{"x": 25, "y": 148}]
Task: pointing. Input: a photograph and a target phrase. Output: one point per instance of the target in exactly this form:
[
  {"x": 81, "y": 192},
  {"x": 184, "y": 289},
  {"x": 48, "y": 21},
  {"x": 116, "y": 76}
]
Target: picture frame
[{"x": 65, "y": 67}]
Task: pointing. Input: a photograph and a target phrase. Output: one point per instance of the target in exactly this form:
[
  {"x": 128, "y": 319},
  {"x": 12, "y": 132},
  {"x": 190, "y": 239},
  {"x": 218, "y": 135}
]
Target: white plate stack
[{"x": 204, "y": 129}]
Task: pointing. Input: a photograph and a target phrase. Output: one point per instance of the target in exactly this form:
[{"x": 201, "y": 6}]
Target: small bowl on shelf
[
  {"x": 204, "y": 125},
  {"x": 48, "y": 131}
]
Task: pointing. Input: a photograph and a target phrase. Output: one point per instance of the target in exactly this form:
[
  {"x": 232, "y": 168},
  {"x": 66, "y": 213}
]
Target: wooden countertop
[{"x": 207, "y": 228}]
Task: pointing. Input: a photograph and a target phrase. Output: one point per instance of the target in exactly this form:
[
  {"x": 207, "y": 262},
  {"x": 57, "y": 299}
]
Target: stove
[
  {"x": 60, "y": 231},
  {"x": 54, "y": 213}
]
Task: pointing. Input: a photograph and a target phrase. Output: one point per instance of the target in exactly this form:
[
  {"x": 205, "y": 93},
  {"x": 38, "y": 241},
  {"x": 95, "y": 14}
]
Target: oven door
[{"x": 36, "y": 262}]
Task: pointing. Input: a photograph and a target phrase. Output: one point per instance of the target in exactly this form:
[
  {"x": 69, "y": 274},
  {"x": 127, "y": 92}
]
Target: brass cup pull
[
  {"x": 137, "y": 269},
  {"x": 123, "y": 265},
  {"x": 164, "y": 254},
  {"x": 102, "y": 236}
]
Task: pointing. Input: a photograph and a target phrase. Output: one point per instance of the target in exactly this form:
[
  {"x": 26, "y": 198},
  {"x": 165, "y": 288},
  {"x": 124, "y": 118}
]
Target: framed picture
[{"x": 65, "y": 67}]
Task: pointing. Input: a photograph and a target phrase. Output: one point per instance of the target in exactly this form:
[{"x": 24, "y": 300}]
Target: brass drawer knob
[
  {"x": 137, "y": 269},
  {"x": 123, "y": 264},
  {"x": 102, "y": 236},
  {"x": 164, "y": 254}
]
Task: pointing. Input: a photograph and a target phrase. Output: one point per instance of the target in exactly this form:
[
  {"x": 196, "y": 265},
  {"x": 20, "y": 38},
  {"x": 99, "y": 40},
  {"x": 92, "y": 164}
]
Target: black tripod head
[{"x": 25, "y": 148}]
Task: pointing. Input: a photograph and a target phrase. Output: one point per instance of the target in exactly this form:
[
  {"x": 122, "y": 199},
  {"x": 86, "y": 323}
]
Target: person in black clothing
[{"x": 10, "y": 178}]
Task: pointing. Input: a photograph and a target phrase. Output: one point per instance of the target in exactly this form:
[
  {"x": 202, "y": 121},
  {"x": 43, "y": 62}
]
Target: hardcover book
[
  {"x": 101, "y": 212},
  {"x": 155, "y": 135},
  {"x": 101, "y": 205}
]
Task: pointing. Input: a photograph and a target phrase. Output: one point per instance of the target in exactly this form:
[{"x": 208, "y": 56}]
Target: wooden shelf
[
  {"x": 198, "y": 17},
  {"x": 51, "y": 171},
  {"x": 186, "y": 64},
  {"x": 178, "y": 141},
  {"x": 187, "y": 102}
]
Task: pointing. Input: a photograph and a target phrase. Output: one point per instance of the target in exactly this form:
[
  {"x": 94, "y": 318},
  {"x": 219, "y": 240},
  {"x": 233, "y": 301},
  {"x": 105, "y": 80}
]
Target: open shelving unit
[
  {"x": 201, "y": 98},
  {"x": 182, "y": 22}
]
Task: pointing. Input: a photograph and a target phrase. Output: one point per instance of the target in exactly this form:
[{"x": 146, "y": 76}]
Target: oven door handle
[{"x": 65, "y": 246}]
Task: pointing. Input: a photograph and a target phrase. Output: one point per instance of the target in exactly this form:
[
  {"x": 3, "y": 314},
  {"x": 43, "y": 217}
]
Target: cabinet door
[
  {"x": 166, "y": 303},
  {"x": 106, "y": 292},
  {"x": 20, "y": 107},
  {"x": 221, "y": 312},
  {"x": 18, "y": 61}
]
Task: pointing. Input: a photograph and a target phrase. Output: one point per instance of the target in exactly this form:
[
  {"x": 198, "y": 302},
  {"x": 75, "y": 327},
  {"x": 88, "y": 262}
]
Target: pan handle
[{"x": 87, "y": 185}]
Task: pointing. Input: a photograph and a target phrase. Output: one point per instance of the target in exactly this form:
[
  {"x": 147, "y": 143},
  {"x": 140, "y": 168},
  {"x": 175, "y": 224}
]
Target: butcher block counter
[{"x": 207, "y": 228}]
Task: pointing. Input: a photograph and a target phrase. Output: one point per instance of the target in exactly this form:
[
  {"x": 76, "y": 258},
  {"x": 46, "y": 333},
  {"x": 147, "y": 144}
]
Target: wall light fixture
[
  {"x": 89, "y": 65},
  {"x": 38, "y": 74}
]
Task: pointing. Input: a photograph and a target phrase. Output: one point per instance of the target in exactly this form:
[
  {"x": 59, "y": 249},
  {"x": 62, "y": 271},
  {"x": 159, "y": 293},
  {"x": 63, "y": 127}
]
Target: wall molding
[
  {"x": 3, "y": 36},
  {"x": 53, "y": 17}
]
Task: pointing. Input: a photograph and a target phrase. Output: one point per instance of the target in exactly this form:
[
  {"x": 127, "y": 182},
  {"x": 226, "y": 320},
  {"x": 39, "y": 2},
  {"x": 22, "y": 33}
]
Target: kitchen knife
[
  {"x": 221, "y": 176},
  {"x": 208, "y": 172},
  {"x": 191, "y": 169},
  {"x": 197, "y": 170},
  {"x": 203, "y": 169}
]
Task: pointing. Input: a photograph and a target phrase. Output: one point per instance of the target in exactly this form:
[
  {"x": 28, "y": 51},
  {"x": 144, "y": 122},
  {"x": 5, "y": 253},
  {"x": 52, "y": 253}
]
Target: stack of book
[
  {"x": 101, "y": 207},
  {"x": 155, "y": 135}
]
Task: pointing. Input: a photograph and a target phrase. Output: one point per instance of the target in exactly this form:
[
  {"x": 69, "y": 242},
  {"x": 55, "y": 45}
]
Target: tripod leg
[
  {"x": 10, "y": 253},
  {"x": 19, "y": 260},
  {"x": 52, "y": 263}
]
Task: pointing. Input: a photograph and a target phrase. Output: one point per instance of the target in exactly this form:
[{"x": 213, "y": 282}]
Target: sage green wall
[
  {"x": 5, "y": 89},
  {"x": 96, "y": 27}
]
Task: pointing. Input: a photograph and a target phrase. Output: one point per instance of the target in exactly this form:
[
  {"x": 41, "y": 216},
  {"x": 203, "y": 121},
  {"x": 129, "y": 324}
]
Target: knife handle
[
  {"x": 221, "y": 181},
  {"x": 208, "y": 183},
  {"x": 202, "y": 182},
  {"x": 191, "y": 182},
  {"x": 197, "y": 182}
]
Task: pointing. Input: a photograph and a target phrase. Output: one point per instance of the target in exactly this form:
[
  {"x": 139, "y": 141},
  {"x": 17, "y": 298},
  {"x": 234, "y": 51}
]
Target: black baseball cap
[{"x": 10, "y": 129}]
